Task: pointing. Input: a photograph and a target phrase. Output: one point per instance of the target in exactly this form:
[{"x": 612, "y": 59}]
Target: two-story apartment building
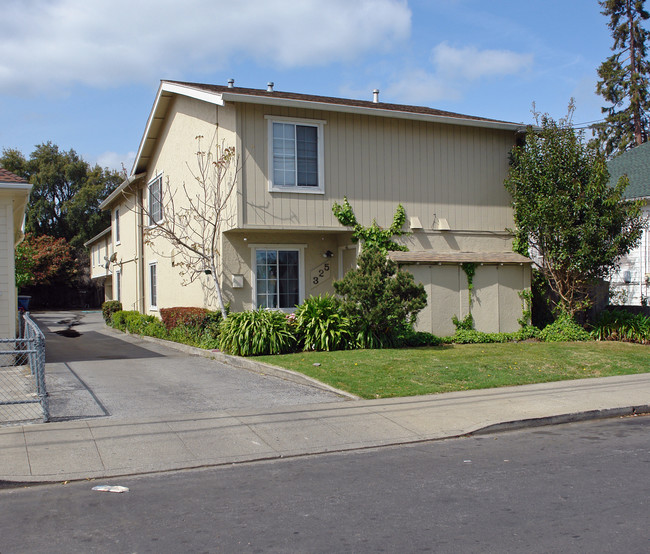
[
  {"x": 296, "y": 155},
  {"x": 100, "y": 249}
]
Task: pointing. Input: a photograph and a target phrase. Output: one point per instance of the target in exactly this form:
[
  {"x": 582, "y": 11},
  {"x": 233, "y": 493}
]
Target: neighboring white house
[
  {"x": 297, "y": 154},
  {"x": 633, "y": 277},
  {"x": 14, "y": 194}
]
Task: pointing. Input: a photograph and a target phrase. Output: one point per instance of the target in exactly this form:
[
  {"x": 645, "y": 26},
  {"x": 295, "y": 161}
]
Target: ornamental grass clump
[
  {"x": 319, "y": 325},
  {"x": 256, "y": 333}
]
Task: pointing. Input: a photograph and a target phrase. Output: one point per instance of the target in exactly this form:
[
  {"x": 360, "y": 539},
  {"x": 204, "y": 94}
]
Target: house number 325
[{"x": 320, "y": 274}]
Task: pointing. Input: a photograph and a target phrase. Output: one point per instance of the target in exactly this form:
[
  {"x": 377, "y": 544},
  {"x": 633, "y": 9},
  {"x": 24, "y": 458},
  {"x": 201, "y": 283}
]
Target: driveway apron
[{"x": 93, "y": 371}]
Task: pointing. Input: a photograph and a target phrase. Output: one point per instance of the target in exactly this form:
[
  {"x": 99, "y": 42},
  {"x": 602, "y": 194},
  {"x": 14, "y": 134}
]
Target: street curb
[
  {"x": 244, "y": 363},
  {"x": 490, "y": 429},
  {"x": 561, "y": 419}
]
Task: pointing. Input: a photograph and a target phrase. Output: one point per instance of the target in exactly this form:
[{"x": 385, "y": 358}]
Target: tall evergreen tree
[
  {"x": 624, "y": 78},
  {"x": 66, "y": 193}
]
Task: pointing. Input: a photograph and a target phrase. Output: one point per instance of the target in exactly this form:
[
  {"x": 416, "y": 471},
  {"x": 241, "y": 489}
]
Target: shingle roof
[
  {"x": 330, "y": 100},
  {"x": 636, "y": 164},
  {"x": 431, "y": 257},
  {"x": 9, "y": 177}
]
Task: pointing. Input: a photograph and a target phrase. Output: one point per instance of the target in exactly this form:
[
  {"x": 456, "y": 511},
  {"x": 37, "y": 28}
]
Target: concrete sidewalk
[{"x": 96, "y": 448}]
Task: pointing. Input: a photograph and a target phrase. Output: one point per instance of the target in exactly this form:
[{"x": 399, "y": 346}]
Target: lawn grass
[{"x": 414, "y": 371}]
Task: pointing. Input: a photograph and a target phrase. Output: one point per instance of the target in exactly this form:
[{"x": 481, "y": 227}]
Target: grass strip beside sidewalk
[{"x": 414, "y": 371}]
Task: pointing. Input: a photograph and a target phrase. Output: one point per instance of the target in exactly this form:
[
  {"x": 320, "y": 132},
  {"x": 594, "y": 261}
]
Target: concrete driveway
[{"x": 93, "y": 371}]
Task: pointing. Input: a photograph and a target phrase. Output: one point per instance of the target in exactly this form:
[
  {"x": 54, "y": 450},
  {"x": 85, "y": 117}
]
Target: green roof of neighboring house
[{"x": 636, "y": 164}]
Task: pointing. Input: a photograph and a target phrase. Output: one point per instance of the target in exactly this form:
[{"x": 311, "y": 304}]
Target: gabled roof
[
  {"x": 635, "y": 163},
  {"x": 7, "y": 177},
  {"x": 97, "y": 237},
  {"x": 19, "y": 188},
  {"x": 219, "y": 95}
]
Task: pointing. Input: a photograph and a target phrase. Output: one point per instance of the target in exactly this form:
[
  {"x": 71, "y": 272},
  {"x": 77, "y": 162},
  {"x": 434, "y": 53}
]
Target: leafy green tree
[
  {"x": 381, "y": 301},
  {"x": 573, "y": 224},
  {"x": 66, "y": 193},
  {"x": 25, "y": 259},
  {"x": 373, "y": 235},
  {"x": 624, "y": 78}
]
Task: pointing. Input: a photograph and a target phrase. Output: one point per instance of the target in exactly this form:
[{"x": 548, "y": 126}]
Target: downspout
[{"x": 139, "y": 255}]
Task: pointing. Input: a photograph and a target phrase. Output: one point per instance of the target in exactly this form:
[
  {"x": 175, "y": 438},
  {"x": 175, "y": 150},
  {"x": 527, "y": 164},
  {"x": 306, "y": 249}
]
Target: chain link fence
[{"x": 23, "y": 397}]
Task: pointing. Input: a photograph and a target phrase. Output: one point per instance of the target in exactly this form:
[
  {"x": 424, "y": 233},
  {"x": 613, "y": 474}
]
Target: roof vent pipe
[
  {"x": 375, "y": 96},
  {"x": 269, "y": 87},
  {"x": 231, "y": 83}
]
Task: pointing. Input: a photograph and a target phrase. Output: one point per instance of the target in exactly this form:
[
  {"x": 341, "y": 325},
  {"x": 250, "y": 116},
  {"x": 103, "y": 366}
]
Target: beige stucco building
[
  {"x": 14, "y": 194},
  {"x": 295, "y": 156}
]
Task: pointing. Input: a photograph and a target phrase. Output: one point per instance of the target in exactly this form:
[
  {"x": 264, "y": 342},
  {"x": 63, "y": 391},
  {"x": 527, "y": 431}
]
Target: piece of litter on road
[
  {"x": 110, "y": 488},
  {"x": 316, "y": 364},
  {"x": 467, "y": 461}
]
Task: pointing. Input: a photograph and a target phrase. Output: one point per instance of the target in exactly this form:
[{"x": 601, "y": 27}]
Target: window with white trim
[
  {"x": 277, "y": 278},
  {"x": 117, "y": 226},
  {"x": 153, "y": 286},
  {"x": 118, "y": 285},
  {"x": 155, "y": 200},
  {"x": 295, "y": 155}
]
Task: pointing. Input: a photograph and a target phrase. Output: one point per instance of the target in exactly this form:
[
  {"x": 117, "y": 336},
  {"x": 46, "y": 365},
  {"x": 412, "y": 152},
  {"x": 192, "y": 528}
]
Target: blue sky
[{"x": 84, "y": 73}]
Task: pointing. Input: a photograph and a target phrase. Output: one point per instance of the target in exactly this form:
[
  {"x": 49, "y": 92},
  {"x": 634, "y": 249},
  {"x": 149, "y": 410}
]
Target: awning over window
[{"x": 431, "y": 257}]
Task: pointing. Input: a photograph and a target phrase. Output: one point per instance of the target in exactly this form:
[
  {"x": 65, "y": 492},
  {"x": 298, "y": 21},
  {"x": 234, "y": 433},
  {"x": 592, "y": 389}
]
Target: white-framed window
[
  {"x": 117, "y": 226},
  {"x": 278, "y": 276},
  {"x": 153, "y": 286},
  {"x": 295, "y": 155},
  {"x": 155, "y": 200},
  {"x": 118, "y": 285}
]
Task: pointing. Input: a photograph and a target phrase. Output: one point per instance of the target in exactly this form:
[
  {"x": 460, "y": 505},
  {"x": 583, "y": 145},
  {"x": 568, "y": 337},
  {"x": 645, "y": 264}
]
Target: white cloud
[
  {"x": 471, "y": 63},
  {"x": 452, "y": 71},
  {"x": 419, "y": 87},
  {"x": 114, "y": 160},
  {"x": 53, "y": 43}
]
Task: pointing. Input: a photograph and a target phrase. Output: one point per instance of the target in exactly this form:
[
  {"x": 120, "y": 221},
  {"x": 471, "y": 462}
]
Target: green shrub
[
  {"x": 118, "y": 319},
  {"x": 465, "y": 324},
  {"x": 564, "y": 329},
  {"x": 622, "y": 325},
  {"x": 155, "y": 329},
  {"x": 380, "y": 300},
  {"x": 418, "y": 338},
  {"x": 136, "y": 322},
  {"x": 109, "y": 308},
  {"x": 256, "y": 333},
  {"x": 321, "y": 326}
]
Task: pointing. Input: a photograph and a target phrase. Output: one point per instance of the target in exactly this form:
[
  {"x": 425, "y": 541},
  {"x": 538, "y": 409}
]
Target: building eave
[{"x": 106, "y": 204}]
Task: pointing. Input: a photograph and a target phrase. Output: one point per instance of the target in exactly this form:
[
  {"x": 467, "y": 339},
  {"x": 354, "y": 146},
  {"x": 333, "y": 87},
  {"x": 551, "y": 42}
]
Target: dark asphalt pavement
[{"x": 581, "y": 487}]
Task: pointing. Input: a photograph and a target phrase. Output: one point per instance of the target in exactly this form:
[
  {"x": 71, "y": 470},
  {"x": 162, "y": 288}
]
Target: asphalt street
[
  {"x": 580, "y": 487},
  {"x": 93, "y": 371}
]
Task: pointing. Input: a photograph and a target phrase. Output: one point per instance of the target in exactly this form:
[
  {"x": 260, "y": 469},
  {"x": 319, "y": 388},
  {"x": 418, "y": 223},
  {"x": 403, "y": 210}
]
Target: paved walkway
[{"x": 99, "y": 448}]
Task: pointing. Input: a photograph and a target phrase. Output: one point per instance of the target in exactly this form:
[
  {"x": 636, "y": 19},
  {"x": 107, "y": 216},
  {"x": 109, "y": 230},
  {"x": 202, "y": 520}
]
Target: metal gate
[{"x": 23, "y": 397}]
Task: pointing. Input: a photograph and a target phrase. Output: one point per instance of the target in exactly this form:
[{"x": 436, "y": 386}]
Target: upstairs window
[
  {"x": 117, "y": 226},
  {"x": 295, "y": 156},
  {"x": 155, "y": 200}
]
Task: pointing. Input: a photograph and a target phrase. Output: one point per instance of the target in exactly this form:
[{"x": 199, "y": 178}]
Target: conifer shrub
[{"x": 381, "y": 301}]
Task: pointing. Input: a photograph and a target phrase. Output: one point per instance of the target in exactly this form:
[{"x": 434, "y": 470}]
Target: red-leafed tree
[{"x": 44, "y": 260}]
